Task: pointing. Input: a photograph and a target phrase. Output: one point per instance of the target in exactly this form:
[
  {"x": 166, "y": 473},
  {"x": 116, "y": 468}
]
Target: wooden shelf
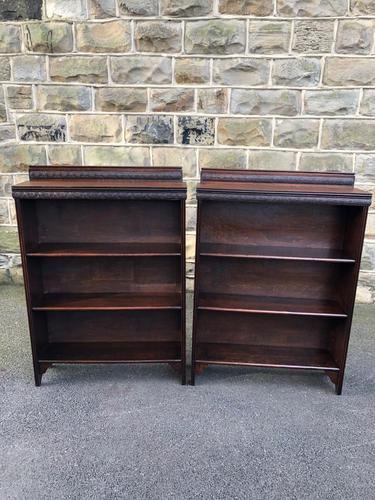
[
  {"x": 267, "y": 356},
  {"x": 111, "y": 352},
  {"x": 270, "y": 305},
  {"x": 274, "y": 252},
  {"x": 108, "y": 302},
  {"x": 137, "y": 249}
]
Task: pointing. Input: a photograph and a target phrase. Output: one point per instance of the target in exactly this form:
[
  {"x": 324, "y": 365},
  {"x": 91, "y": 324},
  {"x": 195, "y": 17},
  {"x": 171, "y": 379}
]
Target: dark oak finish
[
  {"x": 277, "y": 262},
  {"x": 103, "y": 252}
]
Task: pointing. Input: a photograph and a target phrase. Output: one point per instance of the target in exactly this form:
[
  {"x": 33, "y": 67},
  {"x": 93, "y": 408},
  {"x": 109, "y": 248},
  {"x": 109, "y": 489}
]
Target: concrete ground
[{"x": 132, "y": 432}]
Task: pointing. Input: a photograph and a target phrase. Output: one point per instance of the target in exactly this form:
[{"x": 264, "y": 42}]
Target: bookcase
[
  {"x": 277, "y": 262},
  {"x": 103, "y": 254}
]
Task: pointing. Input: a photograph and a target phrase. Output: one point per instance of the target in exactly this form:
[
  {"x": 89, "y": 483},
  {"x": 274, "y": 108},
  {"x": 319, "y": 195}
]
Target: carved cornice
[{"x": 99, "y": 195}]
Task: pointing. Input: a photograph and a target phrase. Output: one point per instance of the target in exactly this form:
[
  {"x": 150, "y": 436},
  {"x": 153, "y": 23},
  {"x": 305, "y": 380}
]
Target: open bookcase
[
  {"x": 103, "y": 253},
  {"x": 277, "y": 262}
]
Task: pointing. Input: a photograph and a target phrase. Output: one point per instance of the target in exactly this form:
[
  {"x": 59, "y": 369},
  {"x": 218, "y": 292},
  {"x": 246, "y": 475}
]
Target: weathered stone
[
  {"x": 303, "y": 72},
  {"x": 266, "y": 102},
  {"x": 144, "y": 129},
  {"x": 189, "y": 276},
  {"x": 18, "y": 157},
  {"x": 89, "y": 69},
  {"x": 299, "y": 133},
  {"x": 39, "y": 127},
  {"x": 365, "y": 168},
  {"x": 326, "y": 162},
  {"x": 175, "y": 99},
  {"x": 12, "y": 212},
  {"x": 215, "y": 36},
  {"x": 370, "y": 188},
  {"x": 63, "y": 97},
  {"x": 212, "y": 100},
  {"x": 139, "y": 8},
  {"x": 368, "y": 256},
  {"x": 95, "y": 128},
  {"x": 191, "y": 193},
  {"x": 9, "y": 240},
  {"x": 313, "y": 36},
  {"x": 4, "y": 68},
  {"x": 362, "y": 7},
  {"x": 348, "y": 134},
  {"x": 170, "y": 157},
  {"x": 196, "y": 130},
  {"x": 74, "y": 9},
  {"x": 366, "y": 288},
  {"x": 145, "y": 69},
  {"x": 112, "y": 36},
  {"x": 10, "y": 38},
  {"x": 191, "y": 218},
  {"x": 120, "y": 99},
  {"x": 189, "y": 70},
  {"x": 49, "y": 37},
  {"x": 19, "y": 10},
  {"x": 7, "y": 132},
  {"x": 6, "y": 182},
  {"x": 222, "y": 158},
  {"x": 244, "y": 131},
  {"x": 123, "y": 156},
  {"x": 64, "y": 155},
  {"x": 190, "y": 247},
  {"x": 312, "y": 8},
  {"x": 158, "y": 36},
  {"x": 355, "y": 37},
  {"x": 3, "y": 111},
  {"x": 246, "y": 7},
  {"x": 368, "y": 102},
  {"x": 29, "y": 68},
  {"x": 349, "y": 71},
  {"x": 331, "y": 102},
  {"x": 100, "y": 9},
  {"x": 186, "y": 8},
  {"x": 20, "y": 97},
  {"x": 241, "y": 71},
  {"x": 4, "y": 212},
  {"x": 272, "y": 160},
  {"x": 370, "y": 226},
  {"x": 269, "y": 37}
]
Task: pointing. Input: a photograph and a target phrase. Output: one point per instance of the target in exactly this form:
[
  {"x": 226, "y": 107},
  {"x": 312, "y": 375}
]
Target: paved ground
[{"x": 132, "y": 432}]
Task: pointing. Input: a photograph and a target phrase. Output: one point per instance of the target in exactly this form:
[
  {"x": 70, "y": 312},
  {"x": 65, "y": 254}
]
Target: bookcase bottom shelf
[{"x": 266, "y": 356}]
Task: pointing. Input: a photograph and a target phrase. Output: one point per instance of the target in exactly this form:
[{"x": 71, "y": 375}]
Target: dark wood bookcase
[
  {"x": 103, "y": 253},
  {"x": 277, "y": 262}
]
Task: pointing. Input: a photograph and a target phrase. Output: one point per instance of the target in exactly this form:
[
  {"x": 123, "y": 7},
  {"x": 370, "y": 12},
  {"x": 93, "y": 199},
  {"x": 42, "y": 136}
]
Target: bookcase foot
[
  {"x": 335, "y": 379},
  {"x": 39, "y": 371}
]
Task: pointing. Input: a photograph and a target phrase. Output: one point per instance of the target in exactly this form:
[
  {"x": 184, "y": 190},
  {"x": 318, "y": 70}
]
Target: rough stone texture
[
  {"x": 145, "y": 69},
  {"x": 19, "y": 96},
  {"x": 172, "y": 100},
  {"x": 303, "y": 72},
  {"x": 64, "y": 155},
  {"x": 10, "y": 38},
  {"x": 170, "y": 157},
  {"x": 83, "y": 69},
  {"x": 3, "y": 111},
  {"x": 368, "y": 256},
  {"x": 349, "y": 134},
  {"x": 244, "y": 132},
  {"x": 7, "y": 132},
  {"x": 212, "y": 100},
  {"x": 9, "y": 240},
  {"x": 266, "y": 102},
  {"x": 326, "y": 162},
  {"x": 6, "y": 182},
  {"x": 4, "y": 68},
  {"x": 195, "y": 130},
  {"x": 123, "y": 156},
  {"x": 186, "y": 8},
  {"x": 75, "y": 9},
  {"x": 349, "y": 71},
  {"x": 313, "y": 36},
  {"x": 215, "y": 37},
  {"x": 29, "y": 68},
  {"x": 313, "y": 8},
  {"x": 42, "y": 128},
  {"x": 149, "y": 129},
  {"x": 362, "y": 7},
  {"x": 365, "y": 168},
  {"x": 191, "y": 218},
  {"x": 158, "y": 36},
  {"x": 331, "y": 102},
  {"x": 299, "y": 133},
  {"x": 269, "y": 37},
  {"x": 95, "y": 128},
  {"x": 49, "y": 37},
  {"x": 4, "y": 212},
  {"x": 272, "y": 160},
  {"x": 222, "y": 158},
  {"x": 355, "y": 37},
  {"x": 112, "y": 36},
  {"x": 63, "y": 98},
  {"x": 241, "y": 71},
  {"x": 246, "y": 7},
  {"x": 368, "y": 102},
  {"x": 18, "y": 10},
  {"x": 120, "y": 99},
  {"x": 100, "y": 9},
  {"x": 137, "y": 8},
  {"x": 188, "y": 71},
  {"x": 17, "y": 157}
]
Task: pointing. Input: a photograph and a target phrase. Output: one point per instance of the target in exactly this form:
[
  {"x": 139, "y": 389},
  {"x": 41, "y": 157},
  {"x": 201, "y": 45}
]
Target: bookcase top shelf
[{"x": 281, "y": 187}]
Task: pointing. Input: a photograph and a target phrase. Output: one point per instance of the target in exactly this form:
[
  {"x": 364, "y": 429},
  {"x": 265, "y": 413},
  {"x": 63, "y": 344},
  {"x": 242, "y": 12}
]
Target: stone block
[
  {"x": 174, "y": 99},
  {"x": 269, "y": 37},
  {"x": 10, "y": 38},
  {"x": 4, "y": 68},
  {"x": 85, "y": 69},
  {"x": 112, "y": 36},
  {"x": 19, "y": 10},
  {"x": 355, "y": 36},
  {"x": 313, "y": 36},
  {"x": 222, "y": 158},
  {"x": 49, "y": 37},
  {"x": 158, "y": 36},
  {"x": 302, "y": 72},
  {"x": 326, "y": 162},
  {"x": 366, "y": 287},
  {"x": 7, "y": 132},
  {"x": 272, "y": 160},
  {"x": 9, "y": 240},
  {"x": 212, "y": 100},
  {"x": 368, "y": 102},
  {"x": 42, "y": 127},
  {"x": 6, "y": 182},
  {"x": 29, "y": 68},
  {"x": 139, "y": 7},
  {"x": 365, "y": 168},
  {"x": 191, "y": 218},
  {"x": 196, "y": 130},
  {"x": 241, "y": 71},
  {"x": 100, "y": 9},
  {"x": 64, "y": 155},
  {"x": 351, "y": 71},
  {"x": 117, "y": 156},
  {"x": 298, "y": 133},
  {"x": 191, "y": 70},
  {"x": 312, "y": 8},
  {"x": 186, "y": 8},
  {"x": 143, "y": 129},
  {"x": 172, "y": 157},
  {"x": 215, "y": 36},
  {"x": 95, "y": 128},
  {"x": 368, "y": 256},
  {"x": 362, "y": 7},
  {"x": 17, "y": 157},
  {"x": 3, "y": 112},
  {"x": 120, "y": 99},
  {"x": 4, "y": 212},
  {"x": 19, "y": 96},
  {"x": 266, "y": 102},
  {"x": 244, "y": 132},
  {"x": 74, "y": 9},
  {"x": 144, "y": 69},
  {"x": 331, "y": 102},
  {"x": 246, "y": 7},
  {"x": 63, "y": 97},
  {"x": 348, "y": 134}
]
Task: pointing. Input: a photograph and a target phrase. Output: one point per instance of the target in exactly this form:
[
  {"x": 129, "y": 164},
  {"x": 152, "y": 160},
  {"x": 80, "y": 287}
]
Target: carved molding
[{"x": 99, "y": 195}]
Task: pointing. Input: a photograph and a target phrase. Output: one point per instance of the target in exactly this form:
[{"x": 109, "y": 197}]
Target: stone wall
[{"x": 272, "y": 84}]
